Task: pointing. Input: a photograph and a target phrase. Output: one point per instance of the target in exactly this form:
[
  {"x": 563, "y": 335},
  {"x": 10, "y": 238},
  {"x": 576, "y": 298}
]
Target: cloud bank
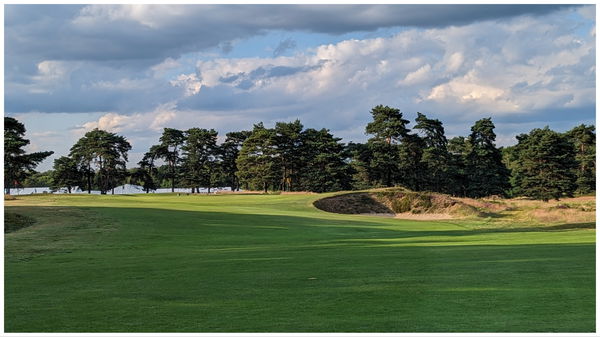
[{"x": 136, "y": 69}]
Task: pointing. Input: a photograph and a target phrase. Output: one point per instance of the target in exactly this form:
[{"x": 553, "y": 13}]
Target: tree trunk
[
  {"x": 265, "y": 186},
  {"x": 69, "y": 189},
  {"x": 172, "y": 180}
]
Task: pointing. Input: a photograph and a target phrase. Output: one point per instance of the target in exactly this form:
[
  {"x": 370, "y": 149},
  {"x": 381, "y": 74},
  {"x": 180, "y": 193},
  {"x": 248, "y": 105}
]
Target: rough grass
[
  {"x": 15, "y": 221},
  {"x": 274, "y": 263},
  {"x": 486, "y": 212}
]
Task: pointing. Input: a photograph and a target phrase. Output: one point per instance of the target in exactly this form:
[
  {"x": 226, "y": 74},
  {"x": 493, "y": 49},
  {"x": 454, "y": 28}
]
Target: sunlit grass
[{"x": 256, "y": 263}]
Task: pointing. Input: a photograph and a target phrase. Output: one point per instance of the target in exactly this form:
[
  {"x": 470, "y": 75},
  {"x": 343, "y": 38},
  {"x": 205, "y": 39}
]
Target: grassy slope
[{"x": 257, "y": 263}]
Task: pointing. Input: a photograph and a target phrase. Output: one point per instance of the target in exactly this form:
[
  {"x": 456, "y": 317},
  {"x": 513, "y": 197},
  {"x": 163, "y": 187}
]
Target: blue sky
[{"x": 135, "y": 69}]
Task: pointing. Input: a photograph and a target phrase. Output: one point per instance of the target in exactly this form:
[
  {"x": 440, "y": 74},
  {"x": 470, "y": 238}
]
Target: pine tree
[
  {"x": 18, "y": 165},
  {"x": 102, "y": 156},
  {"x": 288, "y": 142},
  {"x": 66, "y": 174},
  {"x": 169, "y": 148},
  {"x": 360, "y": 157},
  {"x": 258, "y": 162},
  {"x": 388, "y": 125},
  {"x": 230, "y": 150},
  {"x": 458, "y": 148},
  {"x": 388, "y": 129},
  {"x": 435, "y": 157},
  {"x": 511, "y": 161},
  {"x": 411, "y": 172},
  {"x": 324, "y": 168},
  {"x": 147, "y": 174},
  {"x": 583, "y": 138},
  {"x": 546, "y": 164},
  {"x": 200, "y": 156},
  {"x": 485, "y": 170}
]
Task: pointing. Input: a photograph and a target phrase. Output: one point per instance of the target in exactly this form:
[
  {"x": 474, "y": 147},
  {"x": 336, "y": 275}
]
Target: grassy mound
[{"x": 402, "y": 201}]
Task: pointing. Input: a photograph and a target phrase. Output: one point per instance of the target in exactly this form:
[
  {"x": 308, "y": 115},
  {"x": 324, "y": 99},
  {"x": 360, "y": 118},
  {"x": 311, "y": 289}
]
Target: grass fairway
[{"x": 267, "y": 263}]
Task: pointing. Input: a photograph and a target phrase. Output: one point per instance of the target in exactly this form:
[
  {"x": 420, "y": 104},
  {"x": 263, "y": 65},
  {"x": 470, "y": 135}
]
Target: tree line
[{"x": 544, "y": 164}]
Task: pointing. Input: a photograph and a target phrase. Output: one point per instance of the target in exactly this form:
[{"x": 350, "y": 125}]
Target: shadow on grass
[
  {"x": 192, "y": 271},
  {"x": 239, "y": 230}
]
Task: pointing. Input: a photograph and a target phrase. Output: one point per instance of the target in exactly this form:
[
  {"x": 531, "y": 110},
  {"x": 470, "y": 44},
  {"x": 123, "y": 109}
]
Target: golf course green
[{"x": 275, "y": 263}]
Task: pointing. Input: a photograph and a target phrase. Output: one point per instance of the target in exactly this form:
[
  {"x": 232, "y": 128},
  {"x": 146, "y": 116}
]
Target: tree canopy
[
  {"x": 18, "y": 164},
  {"x": 102, "y": 156},
  {"x": 544, "y": 164}
]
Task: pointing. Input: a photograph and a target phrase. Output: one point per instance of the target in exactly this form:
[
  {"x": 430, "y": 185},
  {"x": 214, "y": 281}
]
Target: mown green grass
[{"x": 258, "y": 263}]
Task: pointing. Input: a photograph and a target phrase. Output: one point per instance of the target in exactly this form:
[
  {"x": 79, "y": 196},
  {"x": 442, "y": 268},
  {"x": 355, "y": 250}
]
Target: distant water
[{"x": 123, "y": 189}]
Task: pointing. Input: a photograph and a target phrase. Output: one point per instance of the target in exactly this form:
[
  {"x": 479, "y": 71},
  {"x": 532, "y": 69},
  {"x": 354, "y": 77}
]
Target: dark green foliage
[
  {"x": 323, "y": 167},
  {"x": 18, "y": 165},
  {"x": 410, "y": 166},
  {"x": 388, "y": 129},
  {"x": 288, "y": 158},
  {"x": 39, "y": 179},
  {"x": 168, "y": 149},
  {"x": 230, "y": 150},
  {"x": 388, "y": 125},
  {"x": 486, "y": 173},
  {"x": 288, "y": 140},
  {"x": 200, "y": 156},
  {"x": 511, "y": 161},
  {"x": 102, "y": 156},
  {"x": 258, "y": 161},
  {"x": 583, "y": 138},
  {"x": 458, "y": 148},
  {"x": 147, "y": 173},
  {"x": 383, "y": 165},
  {"x": 545, "y": 165},
  {"x": 435, "y": 157},
  {"x": 359, "y": 158},
  {"x": 66, "y": 174}
]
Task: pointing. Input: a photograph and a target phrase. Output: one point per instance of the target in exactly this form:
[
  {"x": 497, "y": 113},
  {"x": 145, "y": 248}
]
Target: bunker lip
[
  {"x": 398, "y": 203},
  {"x": 401, "y": 203},
  {"x": 353, "y": 203}
]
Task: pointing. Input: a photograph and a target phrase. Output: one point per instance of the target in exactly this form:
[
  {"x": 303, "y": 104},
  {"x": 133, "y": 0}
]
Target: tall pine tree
[
  {"x": 230, "y": 150},
  {"x": 200, "y": 156},
  {"x": 18, "y": 165},
  {"x": 324, "y": 168},
  {"x": 258, "y": 162},
  {"x": 583, "y": 138},
  {"x": 485, "y": 170},
  {"x": 545, "y": 165},
  {"x": 388, "y": 128},
  {"x": 435, "y": 157}
]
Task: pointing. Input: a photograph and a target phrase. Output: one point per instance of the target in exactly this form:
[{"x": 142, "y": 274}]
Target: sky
[{"x": 136, "y": 69}]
